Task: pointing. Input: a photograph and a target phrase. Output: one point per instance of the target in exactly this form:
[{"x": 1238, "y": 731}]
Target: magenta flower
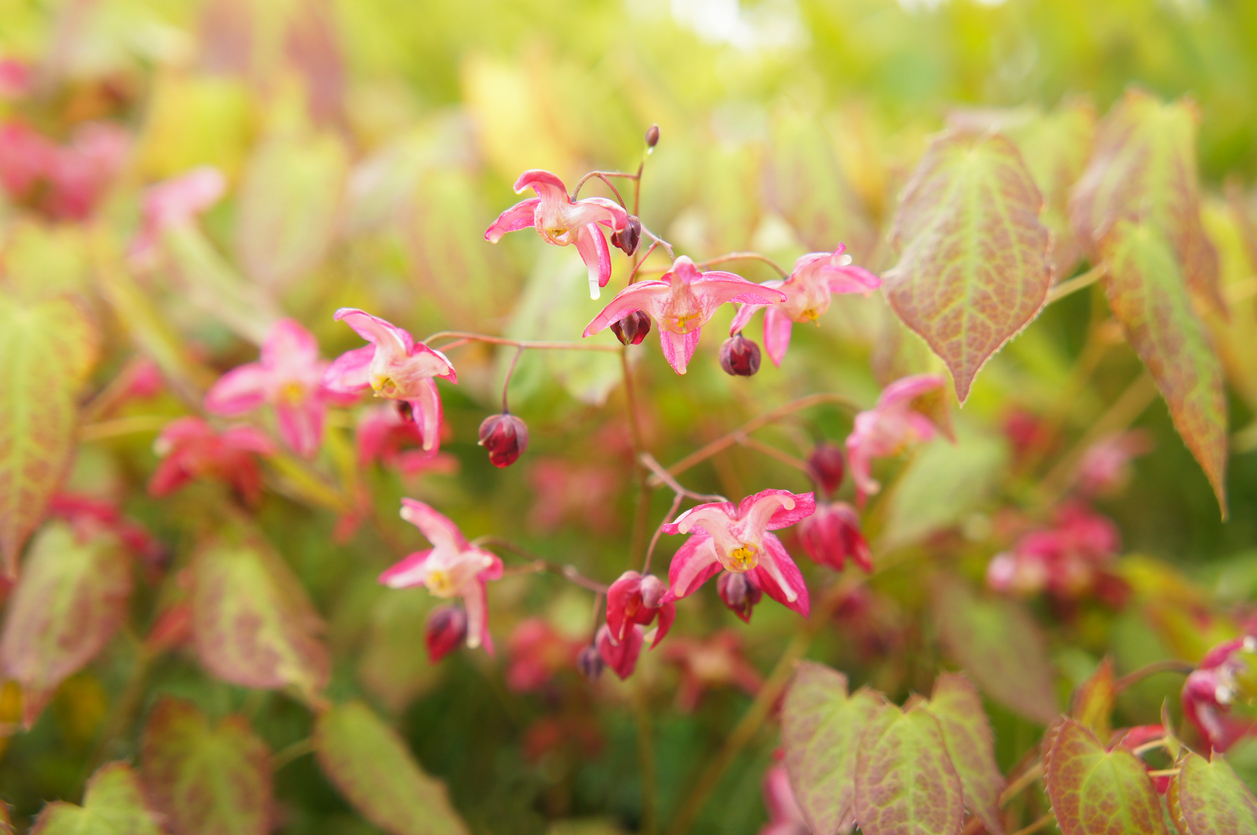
[
  {"x": 562, "y": 222},
  {"x": 395, "y": 367},
  {"x": 289, "y": 378},
  {"x": 1222, "y": 681},
  {"x": 637, "y": 600},
  {"x": 90, "y": 517},
  {"x": 1068, "y": 559},
  {"x": 832, "y": 534},
  {"x": 737, "y": 540},
  {"x": 709, "y": 663},
  {"x": 452, "y": 567},
  {"x": 445, "y": 630},
  {"x": 174, "y": 203},
  {"x": 816, "y": 277},
  {"x": 1105, "y": 468},
  {"x": 65, "y": 182},
  {"x": 681, "y": 302},
  {"x": 388, "y": 435},
  {"x": 620, "y": 656},
  {"x": 888, "y": 428},
  {"x": 191, "y": 449},
  {"x": 537, "y": 652}
]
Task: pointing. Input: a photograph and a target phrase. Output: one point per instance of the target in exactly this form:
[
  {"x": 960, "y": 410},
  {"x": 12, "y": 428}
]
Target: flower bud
[
  {"x": 632, "y": 329},
  {"x": 739, "y": 356},
  {"x": 832, "y": 534},
  {"x": 446, "y": 630},
  {"x": 652, "y": 136},
  {"x": 738, "y": 593},
  {"x": 506, "y": 438},
  {"x": 653, "y": 590},
  {"x": 826, "y": 464},
  {"x": 590, "y": 663},
  {"x": 629, "y": 237}
]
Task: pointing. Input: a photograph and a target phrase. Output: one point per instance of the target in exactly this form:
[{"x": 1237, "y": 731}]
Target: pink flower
[
  {"x": 191, "y": 449},
  {"x": 709, "y": 663},
  {"x": 737, "y": 540},
  {"x": 562, "y": 222},
  {"x": 575, "y": 494},
  {"x": 816, "y": 277},
  {"x": 1105, "y": 467},
  {"x": 65, "y": 182},
  {"x": 1138, "y": 736},
  {"x": 784, "y": 815},
  {"x": 1067, "y": 560},
  {"x": 445, "y": 630},
  {"x": 1223, "y": 680},
  {"x": 384, "y": 434},
  {"x": 89, "y": 517},
  {"x": 452, "y": 567},
  {"x": 681, "y": 302},
  {"x": 289, "y": 378},
  {"x": 888, "y": 428},
  {"x": 832, "y": 534},
  {"x": 395, "y": 367},
  {"x": 634, "y": 599},
  {"x": 537, "y": 652},
  {"x": 620, "y": 656},
  {"x": 172, "y": 204}
]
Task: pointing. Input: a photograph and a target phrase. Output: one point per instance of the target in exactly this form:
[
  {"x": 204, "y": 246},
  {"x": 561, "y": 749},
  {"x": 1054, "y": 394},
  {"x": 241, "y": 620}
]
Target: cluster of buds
[
  {"x": 832, "y": 533},
  {"x": 1220, "y": 696}
]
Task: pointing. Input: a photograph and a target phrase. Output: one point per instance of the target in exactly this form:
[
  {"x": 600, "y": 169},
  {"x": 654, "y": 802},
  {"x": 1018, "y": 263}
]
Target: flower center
[
  {"x": 383, "y": 386},
  {"x": 440, "y": 583},
  {"x": 744, "y": 557},
  {"x": 292, "y": 392},
  {"x": 560, "y": 235},
  {"x": 682, "y": 323}
]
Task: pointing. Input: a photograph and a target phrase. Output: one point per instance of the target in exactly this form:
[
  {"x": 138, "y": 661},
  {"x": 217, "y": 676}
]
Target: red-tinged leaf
[
  {"x": 67, "y": 604},
  {"x": 974, "y": 268},
  {"x": 113, "y": 804},
  {"x": 252, "y": 623},
  {"x": 1146, "y": 293},
  {"x": 1209, "y": 799},
  {"x": 372, "y": 767},
  {"x": 1093, "y": 702},
  {"x": 46, "y": 352},
  {"x": 1098, "y": 792},
  {"x": 820, "y": 730},
  {"x": 1143, "y": 170},
  {"x": 958, "y": 708},
  {"x": 905, "y": 783},
  {"x": 1000, "y": 645},
  {"x": 206, "y": 780}
]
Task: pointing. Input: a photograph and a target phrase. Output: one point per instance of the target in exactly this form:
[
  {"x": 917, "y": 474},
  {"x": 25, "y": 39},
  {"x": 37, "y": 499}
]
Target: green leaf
[
  {"x": 1000, "y": 645},
  {"x": 1098, "y": 792},
  {"x": 820, "y": 731},
  {"x": 206, "y": 780},
  {"x": 1146, "y": 293},
  {"x": 372, "y": 767},
  {"x": 113, "y": 804},
  {"x": 67, "y": 604},
  {"x": 974, "y": 268},
  {"x": 1209, "y": 799},
  {"x": 958, "y": 708},
  {"x": 1093, "y": 702},
  {"x": 46, "y": 352},
  {"x": 905, "y": 783},
  {"x": 252, "y": 622}
]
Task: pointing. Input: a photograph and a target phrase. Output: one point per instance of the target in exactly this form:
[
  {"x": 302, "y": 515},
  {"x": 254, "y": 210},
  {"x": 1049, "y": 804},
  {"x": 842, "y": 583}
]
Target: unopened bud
[
  {"x": 590, "y": 663},
  {"x": 827, "y": 466},
  {"x": 652, "y": 136},
  {"x": 445, "y": 632},
  {"x": 653, "y": 589},
  {"x": 739, "y": 356},
  {"x": 632, "y": 329},
  {"x": 629, "y": 237},
  {"x": 505, "y": 437},
  {"x": 738, "y": 593}
]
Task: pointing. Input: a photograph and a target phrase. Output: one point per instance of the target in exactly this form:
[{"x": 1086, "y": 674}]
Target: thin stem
[
  {"x": 654, "y": 540},
  {"x": 1149, "y": 746},
  {"x": 773, "y": 452},
  {"x": 1170, "y": 665},
  {"x": 291, "y": 752},
  {"x": 519, "y": 352},
  {"x": 593, "y": 618},
  {"x": 1076, "y": 283},
  {"x": 642, "y": 509},
  {"x": 118, "y": 427},
  {"x": 1037, "y": 825},
  {"x": 603, "y": 175},
  {"x": 665, "y": 477},
  {"x": 463, "y": 336},
  {"x": 540, "y": 563},
  {"x": 638, "y": 265},
  {"x": 732, "y": 256},
  {"x": 646, "y": 757},
  {"x": 1164, "y": 772},
  {"x": 1016, "y": 787},
  {"x": 667, "y": 246}
]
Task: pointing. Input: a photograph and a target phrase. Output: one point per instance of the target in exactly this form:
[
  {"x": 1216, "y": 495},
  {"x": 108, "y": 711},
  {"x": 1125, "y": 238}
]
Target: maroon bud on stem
[
  {"x": 590, "y": 663},
  {"x": 446, "y": 631},
  {"x": 739, "y": 356},
  {"x": 632, "y": 329},
  {"x": 827, "y": 466},
  {"x": 652, "y": 136},
  {"x": 629, "y": 237},
  {"x": 505, "y": 437},
  {"x": 738, "y": 593}
]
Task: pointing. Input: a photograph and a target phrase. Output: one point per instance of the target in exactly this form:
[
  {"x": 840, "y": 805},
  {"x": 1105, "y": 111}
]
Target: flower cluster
[{"x": 1067, "y": 560}]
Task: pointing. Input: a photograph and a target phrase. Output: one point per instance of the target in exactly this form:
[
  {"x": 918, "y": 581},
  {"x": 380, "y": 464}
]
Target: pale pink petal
[
  {"x": 289, "y": 345},
  {"x": 430, "y": 362},
  {"x": 248, "y": 439},
  {"x": 240, "y": 390},
  {"x": 683, "y": 271},
  {"x": 678, "y": 348},
  {"x": 922, "y": 427},
  {"x": 474, "y": 599},
  {"x": 909, "y": 388},
  {"x": 593, "y": 250},
  {"x": 547, "y": 185},
  {"x": 811, "y": 261},
  {"x": 716, "y": 519},
  {"x": 409, "y": 572},
  {"x": 780, "y": 578},
  {"x": 777, "y": 330},
  {"x": 851, "y": 279},
  {"x": 782, "y": 507},
  {"x": 169, "y": 476},
  {"x": 494, "y": 569},
  {"x": 693, "y": 564},
  {"x": 743, "y": 318},
  {"x": 715, "y": 288},
  {"x": 426, "y": 409},
  {"x": 438, "y": 529},
  {"x": 520, "y": 216},
  {"x": 350, "y": 373},
  {"x": 597, "y": 210},
  {"x": 679, "y": 525},
  {"x": 301, "y": 425},
  {"x": 384, "y": 334},
  {"x": 859, "y": 464},
  {"x": 650, "y": 296}
]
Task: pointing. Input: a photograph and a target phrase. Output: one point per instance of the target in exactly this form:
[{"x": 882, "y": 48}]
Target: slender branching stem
[
  {"x": 506, "y": 384},
  {"x": 539, "y": 563},
  {"x": 603, "y": 175},
  {"x": 1076, "y": 283},
  {"x": 1037, "y": 825},
  {"x": 665, "y": 477},
  {"x": 291, "y": 752},
  {"x": 771, "y": 451},
  {"x": 642, "y": 510},
  {"x": 654, "y": 540},
  {"x": 462, "y": 337}
]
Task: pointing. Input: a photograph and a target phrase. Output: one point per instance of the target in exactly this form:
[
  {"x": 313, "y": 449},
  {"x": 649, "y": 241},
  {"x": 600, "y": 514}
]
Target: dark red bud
[
  {"x": 446, "y": 631},
  {"x": 590, "y": 663},
  {"x": 739, "y": 356},
  {"x": 826, "y": 463},
  {"x": 629, "y": 237},
  {"x": 652, "y": 136},
  {"x": 505, "y": 437},
  {"x": 653, "y": 589},
  {"x": 632, "y": 329},
  {"x": 738, "y": 593}
]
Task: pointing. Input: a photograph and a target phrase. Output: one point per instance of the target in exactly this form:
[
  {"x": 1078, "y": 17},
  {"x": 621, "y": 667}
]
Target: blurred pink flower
[
  {"x": 65, "y": 182},
  {"x": 634, "y": 599},
  {"x": 714, "y": 662},
  {"x": 172, "y": 204},
  {"x": 565, "y": 492},
  {"x": 1224, "y": 680},
  {"x": 1133, "y": 738},
  {"x": 15, "y": 78},
  {"x": 784, "y": 815},
  {"x": 535, "y": 653},
  {"x": 89, "y": 517},
  {"x": 384, "y": 434},
  {"x": 1105, "y": 467},
  {"x": 1067, "y": 560},
  {"x": 888, "y": 428},
  {"x": 832, "y": 534},
  {"x": 191, "y": 449},
  {"x": 445, "y": 631}
]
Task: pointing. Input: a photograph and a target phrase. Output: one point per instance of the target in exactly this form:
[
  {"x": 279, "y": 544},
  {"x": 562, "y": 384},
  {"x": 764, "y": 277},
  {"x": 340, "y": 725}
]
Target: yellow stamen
[
  {"x": 440, "y": 583},
  {"x": 744, "y": 558}
]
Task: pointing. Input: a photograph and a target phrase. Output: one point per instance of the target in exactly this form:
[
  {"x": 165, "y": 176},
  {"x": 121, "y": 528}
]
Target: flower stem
[
  {"x": 519, "y": 352},
  {"x": 540, "y": 563},
  {"x": 654, "y": 540},
  {"x": 642, "y": 510},
  {"x": 665, "y": 477},
  {"x": 1170, "y": 665},
  {"x": 733, "y": 256},
  {"x": 1076, "y": 283},
  {"x": 603, "y": 175},
  {"x": 291, "y": 752},
  {"x": 1037, "y": 825},
  {"x": 773, "y": 452},
  {"x": 461, "y": 337}
]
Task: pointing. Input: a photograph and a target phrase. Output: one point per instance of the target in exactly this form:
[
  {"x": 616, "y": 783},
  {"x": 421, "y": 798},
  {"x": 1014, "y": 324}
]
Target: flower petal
[
  {"x": 851, "y": 279},
  {"x": 350, "y": 373},
  {"x": 289, "y": 345},
  {"x": 678, "y": 348},
  {"x": 426, "y": 409},
  {"x": 547, "y": 185},
  {"x": 667, "y": 614},
  {"x": 439, "y": 530},
  {"x": 407, "y": 572},
  {"x": 248, "y": 439},
  {"x": 649, "y": 296},
  {"x": 715, "y": 288},
  {"x": 678, "y": 525},
  {"x": 240, "y": 390},
  {"x": 627, "y": 587},
  {"x": 475, "y": 599},
  {"x": 780, "y": 578},
  {"x": 693, "y": 564},
  {"x": 383, "y": 334},
  {"x": 907, "y": 389},
  {"x": 301, "y": 425},
  {"x": 593, "y": 250},
  {"x": 777, "y": 329},
  {"x": 520, "y": 216},
  {"x": 602, "y": 210}
]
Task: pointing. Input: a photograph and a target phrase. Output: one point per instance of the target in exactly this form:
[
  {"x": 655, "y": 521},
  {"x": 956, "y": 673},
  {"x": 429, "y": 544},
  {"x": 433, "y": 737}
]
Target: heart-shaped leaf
[
  {"x": 113, "y": 804},
  {"x": 1207, "y": 798},
  {"x": 958, "y": 708},
  {"x": 1098, "y": 792}
]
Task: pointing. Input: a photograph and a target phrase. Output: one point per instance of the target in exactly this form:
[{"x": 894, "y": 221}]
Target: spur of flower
[
  {"x": 681, "y": 302},
  {"x": 394, "y": 366},
  {"x": 888, "y": 428},
  {"x": 452, "y": 567},
  {"x": 816, "y": 277},
  {"x": 563, "y": 222},
  {"x": 738, "y": 540}
]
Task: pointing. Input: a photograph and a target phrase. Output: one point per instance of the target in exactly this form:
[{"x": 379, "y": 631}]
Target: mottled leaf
[
  {"x": 372, "y": 767},
  {"x": 1000, "y": 645},
  {"x": 1147, "y": 295},
  {"x": 46, "y": 352},
  {"x": 67, "y": 604},
  {"x": 1209, "y": 799},
  {"x": 1098, "y": 792},
  {"x": 820, "y": 730},
  {"x": 1093, "y": 701},
  {"x": 252, "y": 622},
  {"x": 905, "y": 783},
  {"x": 974, "y": 268},
  {"x": 958, "y": 708},
  {"x": 206, "y": 780},
  {"x": 113, "y": 804}
]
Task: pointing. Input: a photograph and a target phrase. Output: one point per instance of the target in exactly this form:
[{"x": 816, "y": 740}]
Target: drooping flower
[
  {"x": 832, "y": 534},
  {"x": 739, "y": 356},
  {"x": 1105, "y": 467},
  {"x": 681, "y": 302},
  {"x": 1226, "y": 679},
  {"x": 634, "y": 599},
  {"x": 388, "y": 435},
  {"x": 563, "y": 222},
  {"x": 737, "y": 539},
  {"x": 190, "y": 449},
  {"x": 172, "y": 204},
  {"x": 395, "y": 367},
  {"x": 739, "y": 594},
  {"x": 709, "y": 663},
  {"x": 452, "y": 567},
  {"x": 816, "y": 277},
  {"x": 1067, "y": 560},
  {"x": 536, "y": 652},
  {"x": 620, "y": 656},
  {"x": 505, "y": 437},
  {"x": 784, "y": 815},
  {"x": 827, "y": 466},
  {"x": 288, "y": 378},
  {"x": 888, "y": 428}
]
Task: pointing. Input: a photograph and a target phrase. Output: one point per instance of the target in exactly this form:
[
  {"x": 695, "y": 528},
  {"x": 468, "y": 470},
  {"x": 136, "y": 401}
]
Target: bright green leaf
[
  {"x": 1098, "y": 792},
  {"x": 958, "y": 708},
  {"x": 1209, "y": 799},
  {"x": 905, "y": 783},
  {"x": 113, "y": 804}
]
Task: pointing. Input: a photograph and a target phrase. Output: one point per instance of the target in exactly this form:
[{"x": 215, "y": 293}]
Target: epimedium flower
[
  {"x": 815, "y": 278},
  {"x": 174, "y": 203},
  {"x": 681, "y": 302},
  {"x": 563, "y": 222},
  {"x": 707, "y": 663},
  {"x": 634, "y": 599},
  {"x": 784, "y": 815},
  {"x": 190, "y": 449},
  {"x": 1226, "y": 679},
  {"x": 505, "y": 437},
  {"x": 452, "y": 567},
  {"x": 888, "y": 428},
  {"x": 621, "y": 656},
  {"x": 1068, "y": 559},
  {"x": 737, "y": 539},
  {"x": 395, "y": 367},
  {"x": 445, "y": 630},
  {"x": 739, "y": 594},
  {"x": 388, "y": 434},
  {"x": 537, "y": 652},
  {"x": 832, "y": 534}
]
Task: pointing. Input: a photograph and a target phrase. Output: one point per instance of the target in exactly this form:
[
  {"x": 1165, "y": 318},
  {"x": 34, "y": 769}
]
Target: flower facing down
[
  {"x": 737, "y": 539},
  {"x": 388, "y": 435},
  {"x": 395, "y": 367},
  {"x": 832, "y": 534},
  {"x": 620, "y": 656},
  {"x": 681, "y": 302},
  {"x": 711, "y": 663},
  {"x": 1068, "y": 559},
  {"x": 452, "y": 567},
  {"x": 888, "y": 428},
  {"x": 536, "y": 653},
  {"x": 563, "y": 222},
  {"x": 634, "y": 599},
  {"x": 816, "y": 277},
  {"x": 1220, "y": 694},
  {"x": 190, "y": 449}
]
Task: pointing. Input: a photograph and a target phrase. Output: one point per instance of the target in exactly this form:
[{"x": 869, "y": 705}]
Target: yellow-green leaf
[
  {"x": 1207, "y": 798},
  {"x": 113, "y": 804},
  {"x": 1098, "y": 792},
  {"x": 958, "y": 708}
]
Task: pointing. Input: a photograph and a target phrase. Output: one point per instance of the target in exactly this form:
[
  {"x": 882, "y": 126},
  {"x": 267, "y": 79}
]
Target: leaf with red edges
[
  {"x": 113, "y": 804},
  {"x": 1209, "y": 799},
  {"x": 958, "y": 708},
  {"x": 1094, "y": 699},
  {"x": 1098, "y": 792}
]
